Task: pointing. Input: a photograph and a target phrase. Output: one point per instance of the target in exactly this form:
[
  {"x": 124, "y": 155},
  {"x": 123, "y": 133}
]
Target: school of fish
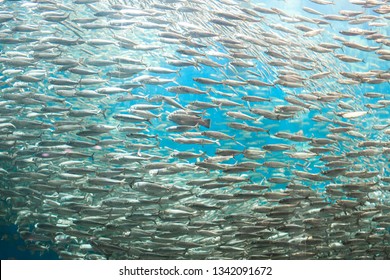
[{"x": 178, "y": 129}]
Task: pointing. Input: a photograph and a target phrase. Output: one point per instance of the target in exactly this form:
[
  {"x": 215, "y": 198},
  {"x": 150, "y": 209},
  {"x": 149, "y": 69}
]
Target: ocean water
[{"x": 90, "y": 200}]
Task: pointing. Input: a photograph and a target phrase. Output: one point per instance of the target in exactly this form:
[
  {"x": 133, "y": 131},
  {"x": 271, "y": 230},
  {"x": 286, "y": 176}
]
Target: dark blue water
[{"x": 12, "y": 247}]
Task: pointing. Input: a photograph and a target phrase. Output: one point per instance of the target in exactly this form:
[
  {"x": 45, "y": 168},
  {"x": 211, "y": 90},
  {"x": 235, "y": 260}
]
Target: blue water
[{"x": 11, "y": 246}]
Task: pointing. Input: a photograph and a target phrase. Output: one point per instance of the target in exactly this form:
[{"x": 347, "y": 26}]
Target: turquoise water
[{"x": 52, "y": 214}]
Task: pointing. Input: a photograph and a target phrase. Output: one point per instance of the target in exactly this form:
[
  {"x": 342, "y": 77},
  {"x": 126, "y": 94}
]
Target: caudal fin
[{"x": 205, "y": 123}]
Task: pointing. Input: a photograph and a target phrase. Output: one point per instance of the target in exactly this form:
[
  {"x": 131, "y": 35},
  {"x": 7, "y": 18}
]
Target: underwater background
[{"x": 194, "y": 130}]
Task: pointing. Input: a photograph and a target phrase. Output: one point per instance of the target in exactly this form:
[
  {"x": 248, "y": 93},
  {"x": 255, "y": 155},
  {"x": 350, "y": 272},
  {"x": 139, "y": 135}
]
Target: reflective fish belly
[{"x": 175, "y": 129}]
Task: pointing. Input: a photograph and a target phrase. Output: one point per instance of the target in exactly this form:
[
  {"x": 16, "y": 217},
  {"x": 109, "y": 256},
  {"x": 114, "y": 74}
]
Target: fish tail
[
  {"x": 103, "y": 112},
  {"x": 196, "y": 126},
  {"x": 206, "y": 123},
  {"x": 294, "y": 148}
]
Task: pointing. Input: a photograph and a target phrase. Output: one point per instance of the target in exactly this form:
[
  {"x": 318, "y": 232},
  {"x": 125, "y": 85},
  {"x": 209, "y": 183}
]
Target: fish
[
  {"x": 183, "y": 118},
  {"x": 183, "y": 129}
]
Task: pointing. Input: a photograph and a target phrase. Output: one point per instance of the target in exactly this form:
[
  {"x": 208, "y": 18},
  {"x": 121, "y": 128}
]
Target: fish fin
[
  {"x": 197, "y": 66},
  {"x": 174, "y": 81},
  {"x": 103, "y": 112},
  {"x": 196, "y": 126},
  {"x": 294, "y": 147},
  {"x": 206, "y": 123}
]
